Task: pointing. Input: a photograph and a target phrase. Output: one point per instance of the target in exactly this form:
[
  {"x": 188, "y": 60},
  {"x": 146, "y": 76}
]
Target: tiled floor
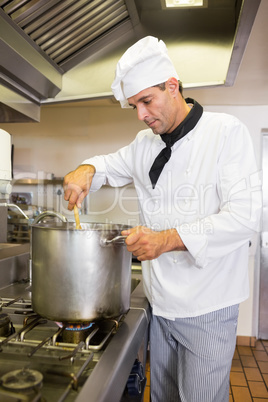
[{"x": 249, "y": 374}]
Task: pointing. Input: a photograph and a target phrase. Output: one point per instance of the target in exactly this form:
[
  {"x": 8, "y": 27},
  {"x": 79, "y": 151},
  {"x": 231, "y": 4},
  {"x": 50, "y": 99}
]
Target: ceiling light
[{"x": 167, "y": 4}]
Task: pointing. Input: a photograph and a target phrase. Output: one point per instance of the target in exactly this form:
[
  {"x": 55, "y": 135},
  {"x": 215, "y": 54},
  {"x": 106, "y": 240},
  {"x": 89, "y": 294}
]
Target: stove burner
[
  {"x": 75, "y": 327},
  {"x": 21, "y": 380},
  {"x": 74, "y": 332}
]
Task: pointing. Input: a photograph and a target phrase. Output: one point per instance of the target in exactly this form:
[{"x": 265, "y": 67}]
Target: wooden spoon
[{"x": 76, "y": 216}]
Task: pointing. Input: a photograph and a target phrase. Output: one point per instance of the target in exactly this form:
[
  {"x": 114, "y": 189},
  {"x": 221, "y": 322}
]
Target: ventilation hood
[{"x": 64, "y": 50}]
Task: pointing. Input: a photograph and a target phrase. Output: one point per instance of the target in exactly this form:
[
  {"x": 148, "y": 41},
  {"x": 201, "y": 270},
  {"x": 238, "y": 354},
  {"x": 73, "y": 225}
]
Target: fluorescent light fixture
[{"x": 168, "y": 4}]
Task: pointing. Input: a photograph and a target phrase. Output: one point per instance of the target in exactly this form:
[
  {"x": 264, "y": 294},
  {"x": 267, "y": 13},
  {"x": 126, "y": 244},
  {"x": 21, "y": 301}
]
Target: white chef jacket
[{"x": 210, "y": 191}]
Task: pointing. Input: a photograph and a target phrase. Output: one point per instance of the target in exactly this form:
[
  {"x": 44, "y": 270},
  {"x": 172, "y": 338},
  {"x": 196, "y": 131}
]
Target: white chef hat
[{"x": 143, "y": 65}]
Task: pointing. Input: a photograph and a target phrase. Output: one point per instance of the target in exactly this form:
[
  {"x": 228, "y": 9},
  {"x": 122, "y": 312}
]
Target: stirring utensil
[{"x": 76, "y": 217}]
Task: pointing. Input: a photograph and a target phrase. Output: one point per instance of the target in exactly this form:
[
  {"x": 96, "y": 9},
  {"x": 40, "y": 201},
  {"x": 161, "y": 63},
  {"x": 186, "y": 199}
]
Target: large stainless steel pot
[{"x": 79, "y": 275}]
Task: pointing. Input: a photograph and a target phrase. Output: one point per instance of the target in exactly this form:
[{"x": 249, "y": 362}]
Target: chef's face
[{"x": 158, "y": 108}]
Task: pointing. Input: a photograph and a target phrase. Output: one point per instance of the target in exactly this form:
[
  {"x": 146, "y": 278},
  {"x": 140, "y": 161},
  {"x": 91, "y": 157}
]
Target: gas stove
[{"x": 44, "y": 361}]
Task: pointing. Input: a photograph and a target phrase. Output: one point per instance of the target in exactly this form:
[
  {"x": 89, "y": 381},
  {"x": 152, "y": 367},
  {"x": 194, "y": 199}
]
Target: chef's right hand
[{"x": 76, "y": 185}]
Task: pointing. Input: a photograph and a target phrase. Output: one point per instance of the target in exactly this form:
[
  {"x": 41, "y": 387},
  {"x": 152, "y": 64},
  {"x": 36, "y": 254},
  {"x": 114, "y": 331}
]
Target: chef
[{"x": 199, "y": 196}]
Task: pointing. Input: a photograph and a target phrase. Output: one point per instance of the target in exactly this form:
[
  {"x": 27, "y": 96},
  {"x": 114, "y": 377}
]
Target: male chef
[{"x": 199, "y": 196}]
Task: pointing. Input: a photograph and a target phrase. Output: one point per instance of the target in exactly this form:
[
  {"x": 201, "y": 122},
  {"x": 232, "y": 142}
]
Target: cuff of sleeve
[
  {"x": 99, "y": 178},
  {"x": 195, "y": 243}
]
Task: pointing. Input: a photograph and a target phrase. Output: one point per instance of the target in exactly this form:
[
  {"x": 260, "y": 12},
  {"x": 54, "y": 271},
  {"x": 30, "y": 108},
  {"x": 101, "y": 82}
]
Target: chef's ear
[{"x": 173, "y": 86}]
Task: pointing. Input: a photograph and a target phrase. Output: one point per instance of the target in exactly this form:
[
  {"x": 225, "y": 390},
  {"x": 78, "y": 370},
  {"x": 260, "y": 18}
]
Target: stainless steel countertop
[
  {"x": 117, "y": 360},
  {"x": 110, "y": 375},
  {"x": 8, "y": 250}
]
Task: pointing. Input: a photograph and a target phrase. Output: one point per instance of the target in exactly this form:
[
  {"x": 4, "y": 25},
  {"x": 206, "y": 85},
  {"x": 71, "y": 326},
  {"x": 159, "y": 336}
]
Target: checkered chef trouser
[{"x": 191, "y": 358}]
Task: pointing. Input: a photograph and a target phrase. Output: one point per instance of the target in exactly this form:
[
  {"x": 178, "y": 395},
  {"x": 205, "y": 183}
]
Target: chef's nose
[{"x": 142, "y": 112}]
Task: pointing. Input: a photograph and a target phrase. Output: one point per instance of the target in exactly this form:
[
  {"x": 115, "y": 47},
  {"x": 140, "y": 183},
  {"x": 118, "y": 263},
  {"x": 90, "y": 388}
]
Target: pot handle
[
  {"x": 116, "y": 240},
  {"x": 53, "y": 214}
]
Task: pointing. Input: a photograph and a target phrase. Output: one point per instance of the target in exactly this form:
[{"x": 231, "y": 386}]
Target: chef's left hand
[{"x": 147, "y": 244}]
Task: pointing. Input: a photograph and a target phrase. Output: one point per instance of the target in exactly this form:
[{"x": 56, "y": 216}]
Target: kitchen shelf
[
  {"x": 56, "y": 180},
  {"x": 34, "y": 182}
]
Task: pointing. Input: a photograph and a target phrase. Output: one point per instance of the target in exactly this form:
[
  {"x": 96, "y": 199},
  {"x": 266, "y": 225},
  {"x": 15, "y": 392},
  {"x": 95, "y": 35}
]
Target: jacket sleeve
[
  {"x": 239, "y": 191},
  {"x": 113, "y": 169}
]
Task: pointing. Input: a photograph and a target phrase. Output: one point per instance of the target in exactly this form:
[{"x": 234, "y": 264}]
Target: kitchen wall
[
  {"x": 68, "y": 134},
  {"x": 61, "y": 141}
]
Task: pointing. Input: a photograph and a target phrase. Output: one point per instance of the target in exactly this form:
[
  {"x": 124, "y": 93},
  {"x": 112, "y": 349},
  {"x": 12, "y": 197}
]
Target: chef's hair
[{"x": 162, "y": 86}]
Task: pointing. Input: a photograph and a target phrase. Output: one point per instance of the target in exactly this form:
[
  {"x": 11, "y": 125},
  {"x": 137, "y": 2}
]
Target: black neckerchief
[{"x": 183, "y": 128}]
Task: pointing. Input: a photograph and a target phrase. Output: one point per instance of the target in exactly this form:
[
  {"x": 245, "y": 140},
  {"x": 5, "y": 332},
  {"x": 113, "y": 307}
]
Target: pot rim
[{"x": 86, "y": 226}]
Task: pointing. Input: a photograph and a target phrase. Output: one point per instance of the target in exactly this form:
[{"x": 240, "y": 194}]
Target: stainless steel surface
[
  {"x": 51, "y": 214},
  {"x": 263, "y": 303},
  {"x": 14, "y": 263},
  {"x": 18, "y": 228},
  {"x": 72, "y": 372},
  {"x": 20, "y": 216},
  {"x": 133, "y": 332},
  {"x": 45, "y": 39},
  {"x": 76, "y": 266},
  {"x": 26, "y": 75},
  {"x": 14, "y": 106},
  {"x": 3, "y": 224},
  {"x": 9, "y": 246},
  {"x": 37, "y": 182},
  {"x": 62, "y": 28},
  {"x": 116, "y": 239},
  {"x": 42, "y": 40},
  {"x": 4, "y": 204},
  {"x": 5, "y": 180}
]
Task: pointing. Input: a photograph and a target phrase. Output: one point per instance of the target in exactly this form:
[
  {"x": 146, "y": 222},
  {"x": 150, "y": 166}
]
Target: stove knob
[
  {"x": 138, "y": 369},
  {"x": 134, "y": 385}
]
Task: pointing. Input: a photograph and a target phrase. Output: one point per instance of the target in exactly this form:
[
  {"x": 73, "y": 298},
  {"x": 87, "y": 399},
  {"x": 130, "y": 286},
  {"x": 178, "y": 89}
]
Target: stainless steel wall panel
[{"x": 263, "y": 310}]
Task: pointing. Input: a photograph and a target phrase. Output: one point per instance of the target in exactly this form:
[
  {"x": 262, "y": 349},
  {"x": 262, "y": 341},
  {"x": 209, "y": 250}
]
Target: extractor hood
[
  {"x": 61, "y": 50},
  {"x": 41, "y": 40}
]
